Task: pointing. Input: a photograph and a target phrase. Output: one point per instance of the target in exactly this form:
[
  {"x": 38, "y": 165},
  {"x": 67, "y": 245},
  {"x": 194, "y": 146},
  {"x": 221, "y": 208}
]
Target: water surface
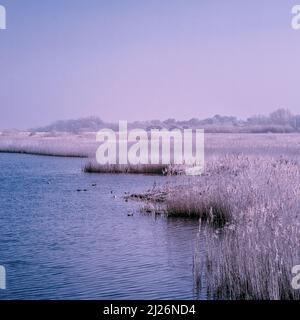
[{"x": 60, "y": 243}]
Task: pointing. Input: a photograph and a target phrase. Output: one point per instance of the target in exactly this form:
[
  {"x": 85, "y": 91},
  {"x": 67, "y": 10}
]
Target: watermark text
[
  {"x": 296, "y": 279},
  {"x": 2, "y": 278},
  {"x": 296, "y": 17},
  {"x": 152, "y": 147},
  {"x": 2, "y": 18}
]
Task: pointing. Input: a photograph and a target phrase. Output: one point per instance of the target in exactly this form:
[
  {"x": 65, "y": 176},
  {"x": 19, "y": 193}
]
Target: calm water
[{"x": 58, "y": 243}]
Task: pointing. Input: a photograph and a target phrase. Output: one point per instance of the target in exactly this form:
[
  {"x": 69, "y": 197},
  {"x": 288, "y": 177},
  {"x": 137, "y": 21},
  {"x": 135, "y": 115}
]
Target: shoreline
[{"x": 43, "y": 154}]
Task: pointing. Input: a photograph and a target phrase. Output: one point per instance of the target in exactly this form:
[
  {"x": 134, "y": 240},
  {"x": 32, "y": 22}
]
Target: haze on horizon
[{"x": 142, "y": 60}]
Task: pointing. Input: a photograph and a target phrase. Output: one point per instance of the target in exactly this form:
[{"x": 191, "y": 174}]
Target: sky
[{"x": 146, "y": 59}]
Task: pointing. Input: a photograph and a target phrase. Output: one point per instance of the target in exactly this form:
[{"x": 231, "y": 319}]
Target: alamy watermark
[
  {"x": 2, "y": 18},
  {"x": 2, "y": 278},
  {"x": 152, "y": 147},
  {"x": 296, "y": 279},
  {"x": 296, "y": 17}
]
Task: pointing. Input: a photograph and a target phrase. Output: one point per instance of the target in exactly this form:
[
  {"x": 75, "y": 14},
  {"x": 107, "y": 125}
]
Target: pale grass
[
  {"x": 252, "y": 254},
  {"x": 249, "y": 235},
  {"x": 92, "y": 166}
]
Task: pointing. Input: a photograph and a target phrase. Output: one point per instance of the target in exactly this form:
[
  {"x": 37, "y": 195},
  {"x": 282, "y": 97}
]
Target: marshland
[
  {"x": 226, "y": 227},
  {"x": 240, "y": 219}
]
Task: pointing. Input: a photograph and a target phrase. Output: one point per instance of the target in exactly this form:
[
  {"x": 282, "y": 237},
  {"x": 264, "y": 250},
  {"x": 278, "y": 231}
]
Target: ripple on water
[{"x": 57, "y": 243}]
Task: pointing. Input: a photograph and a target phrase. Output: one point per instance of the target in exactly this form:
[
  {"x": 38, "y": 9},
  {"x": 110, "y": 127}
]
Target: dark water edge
[{"x": 57, "y": 242}]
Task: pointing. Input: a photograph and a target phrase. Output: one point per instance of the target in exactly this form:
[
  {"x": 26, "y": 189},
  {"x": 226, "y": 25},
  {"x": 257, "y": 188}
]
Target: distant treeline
[{"x": 279, "y": 121}]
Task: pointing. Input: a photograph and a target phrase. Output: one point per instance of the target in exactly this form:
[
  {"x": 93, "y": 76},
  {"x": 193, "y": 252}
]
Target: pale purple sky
[{"x": 150, "y": 59}]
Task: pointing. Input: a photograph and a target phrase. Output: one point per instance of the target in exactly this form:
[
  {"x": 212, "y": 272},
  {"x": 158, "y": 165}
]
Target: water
[{"x": 59, "y": 243}]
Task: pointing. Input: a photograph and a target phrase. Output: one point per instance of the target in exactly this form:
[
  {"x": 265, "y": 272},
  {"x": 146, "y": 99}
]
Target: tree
[{"x": 281, "y": 116}]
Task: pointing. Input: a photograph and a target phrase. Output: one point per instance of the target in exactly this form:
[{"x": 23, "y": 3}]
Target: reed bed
[
  {"x": 62, "y": 145},
  {"x": 249, "y": 233},
  {"x": 85, "y": 145},
  {"x": 92, "y": 166},
  {"x": 251, "y": 240}
]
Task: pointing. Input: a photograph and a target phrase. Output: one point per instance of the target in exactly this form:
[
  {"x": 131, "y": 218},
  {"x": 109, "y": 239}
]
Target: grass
[
  {"x": 92, "y": 166},
  {"x": 202, "y": 200},
  {"x": 249, "y": 233},
  {"x": 63, "y": 145},
  {"x": 252, "y": 256}
]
